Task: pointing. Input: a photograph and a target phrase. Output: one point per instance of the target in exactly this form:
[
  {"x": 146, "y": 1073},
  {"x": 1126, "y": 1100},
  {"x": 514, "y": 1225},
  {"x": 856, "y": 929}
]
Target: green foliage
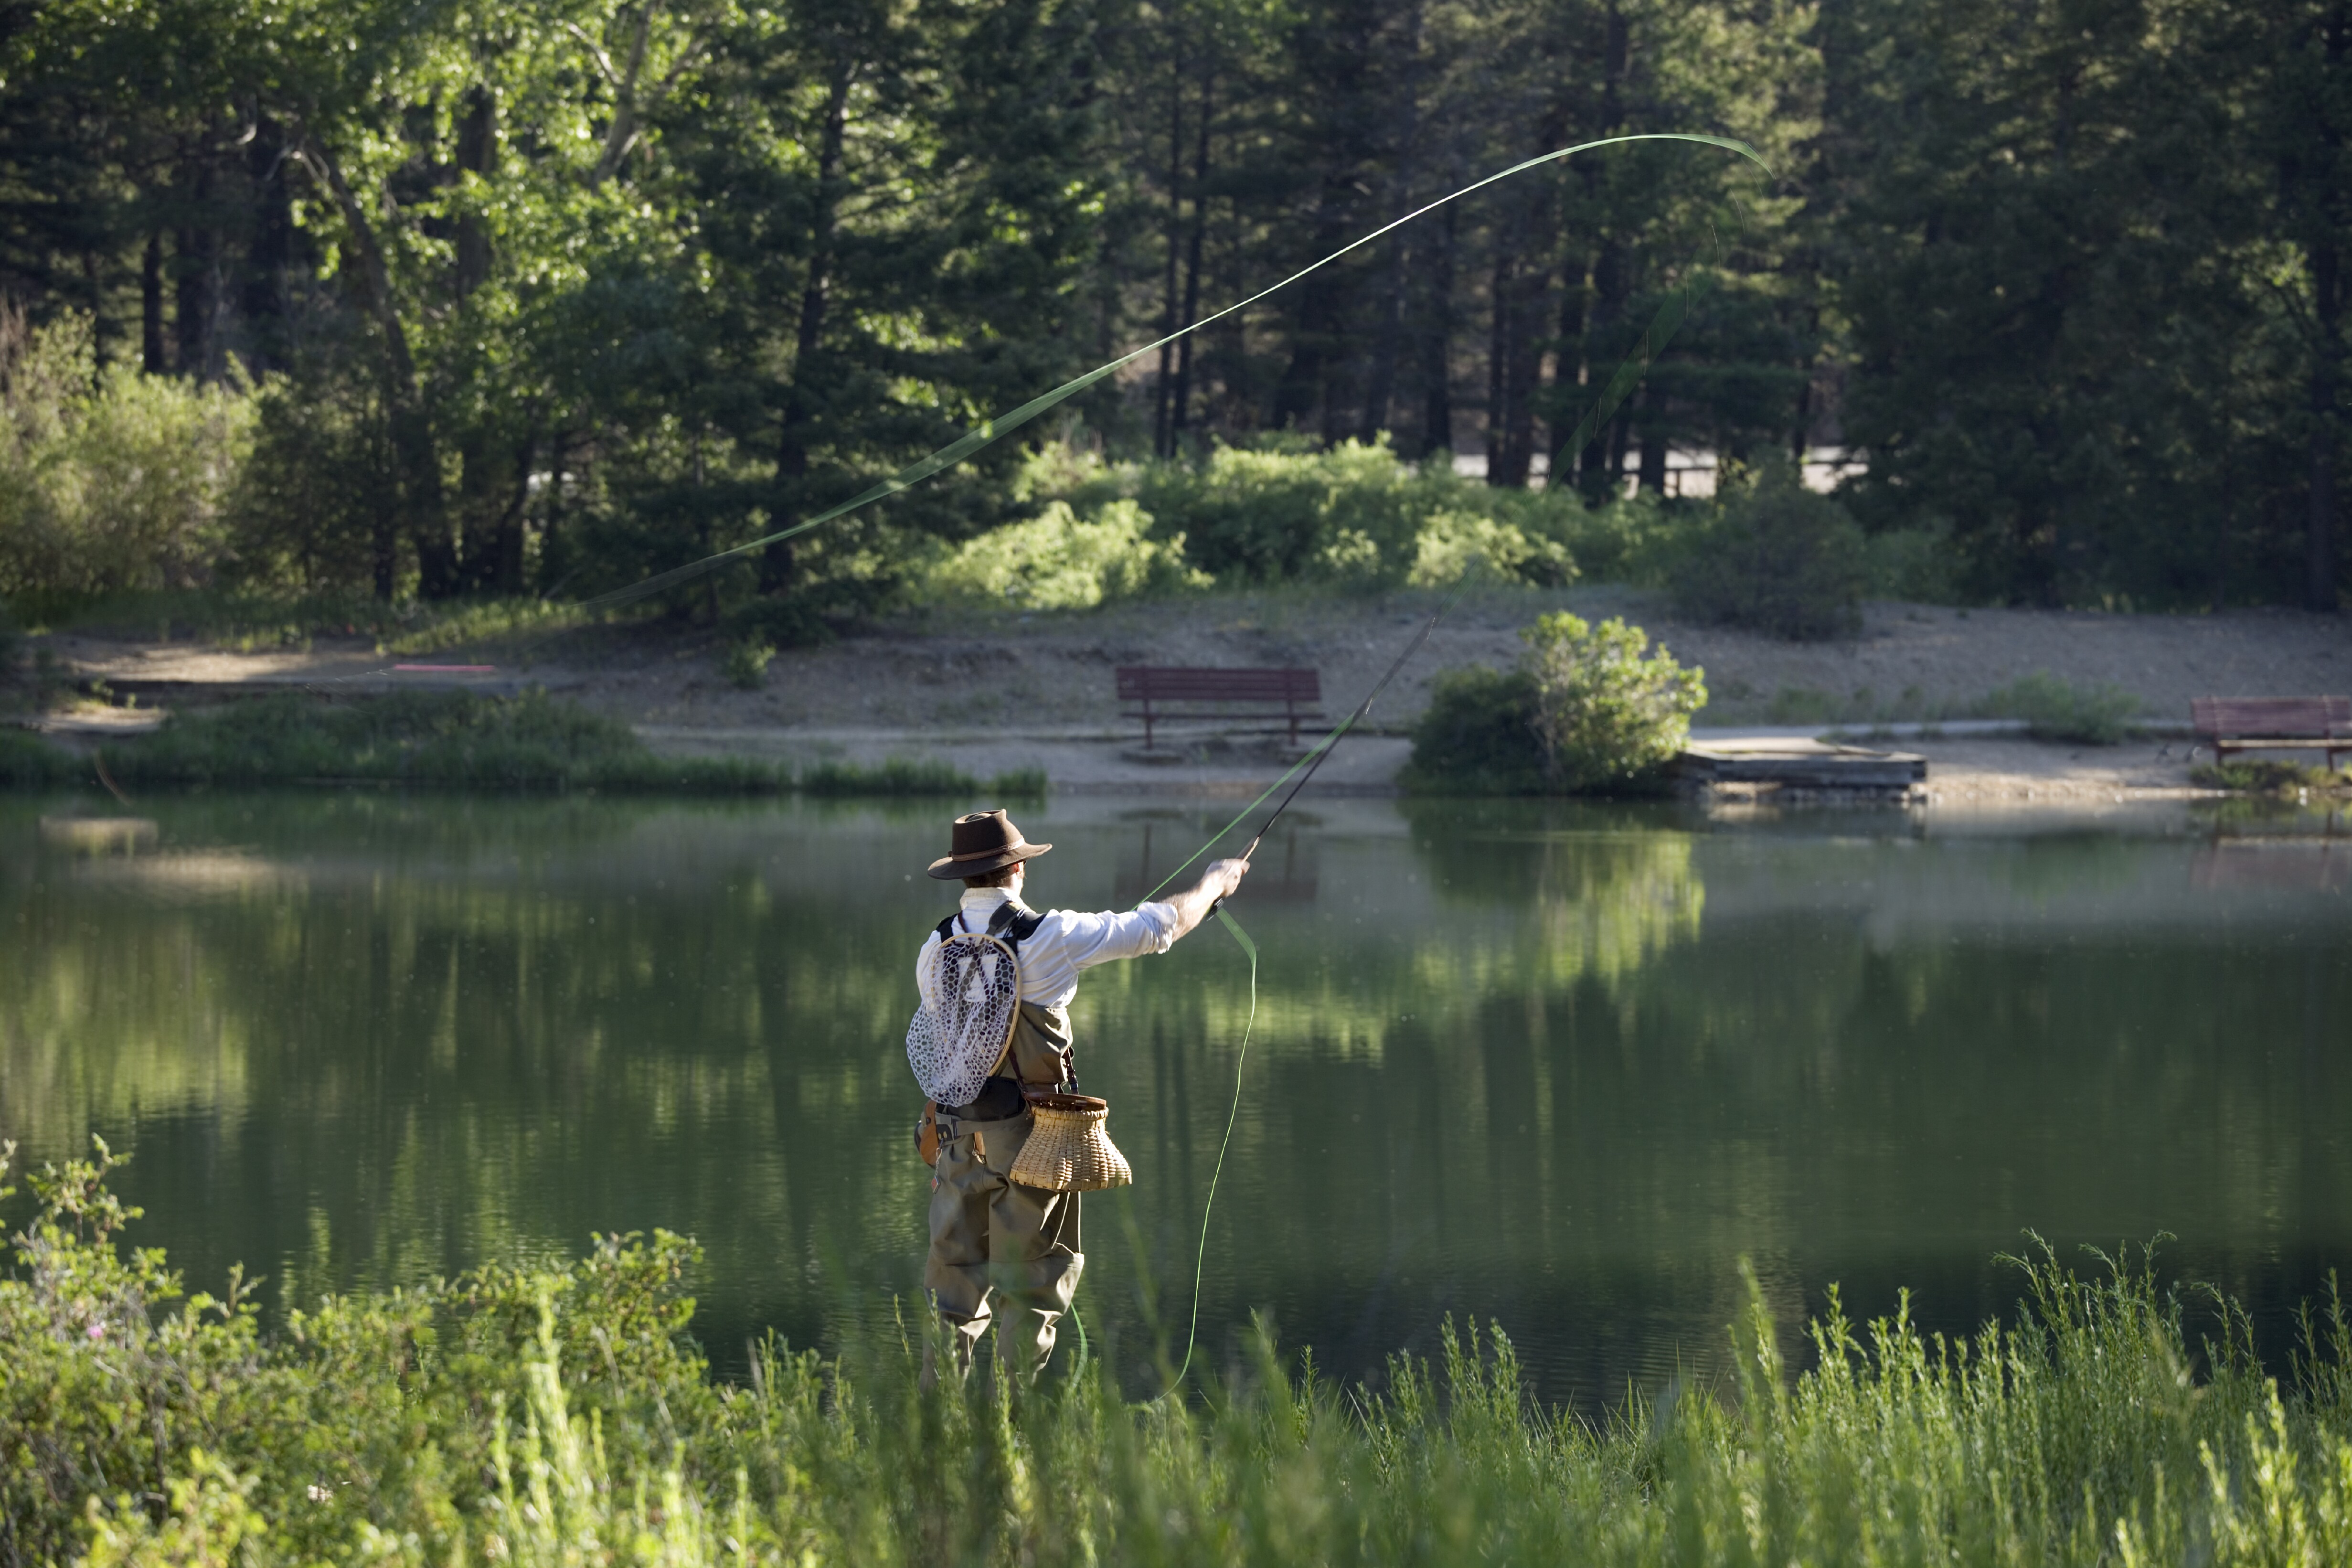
[
  {"x": 108, "y": 480},
  {"x": 1454, "y": 546},
  {"x": 561, "y": 1415},
  {"x": 895, "y": 776},
  {"x": 1589, "y": 711},
  {"x": 1018, "y": 784},
  {"x": 2096, "y": 715},
  {"x": 1478, "y": 736},
  {"x": 1610, "y": 715},
  {"x": 1057, "y": 561},
  {"x": 1779, "y": 558},
  {"x": 911, "y": 776},
  {"x": 745, "y": 663},
  {"x": 2268, "y": 775},
  {"x": 438, "y": 738},
  {"x": 1354, "y": 515},
  {"x": 780, "y": 621},
  {"x": 26, "y": 760}
]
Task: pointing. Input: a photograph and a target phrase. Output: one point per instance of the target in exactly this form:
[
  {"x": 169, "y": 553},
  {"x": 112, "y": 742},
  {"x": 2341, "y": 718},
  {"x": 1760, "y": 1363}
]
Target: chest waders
[{"x": 1008, "y": 1163}]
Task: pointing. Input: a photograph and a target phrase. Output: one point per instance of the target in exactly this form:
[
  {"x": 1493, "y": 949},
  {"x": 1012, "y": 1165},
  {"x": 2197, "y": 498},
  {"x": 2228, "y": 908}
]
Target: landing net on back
[{"x": 972, "y": 994}]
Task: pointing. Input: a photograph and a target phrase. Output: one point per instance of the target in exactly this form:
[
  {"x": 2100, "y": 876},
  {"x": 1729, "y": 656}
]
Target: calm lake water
[{"x": 1556, "y": 1067}]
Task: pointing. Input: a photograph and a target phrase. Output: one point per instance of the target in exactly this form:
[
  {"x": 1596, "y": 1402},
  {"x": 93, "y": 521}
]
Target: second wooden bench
[{"x": 2227, "y": 724}]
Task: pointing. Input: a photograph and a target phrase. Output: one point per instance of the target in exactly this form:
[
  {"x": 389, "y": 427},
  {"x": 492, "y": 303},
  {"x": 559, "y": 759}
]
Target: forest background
[{"x": 427, "y": 299}]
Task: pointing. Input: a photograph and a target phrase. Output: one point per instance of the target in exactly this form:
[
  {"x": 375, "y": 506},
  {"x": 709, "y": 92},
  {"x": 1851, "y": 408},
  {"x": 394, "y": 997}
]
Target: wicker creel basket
[{"x": 1069, "y": 1148}]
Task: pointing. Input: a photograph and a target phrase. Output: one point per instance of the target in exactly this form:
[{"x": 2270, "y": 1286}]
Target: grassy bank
[
  {"x": 561, "y": 1417},
  {"x": 453, "y": 741}
]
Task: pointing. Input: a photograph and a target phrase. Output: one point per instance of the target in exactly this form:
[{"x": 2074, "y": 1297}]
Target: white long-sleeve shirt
[{"x": 1065, "y": 942}]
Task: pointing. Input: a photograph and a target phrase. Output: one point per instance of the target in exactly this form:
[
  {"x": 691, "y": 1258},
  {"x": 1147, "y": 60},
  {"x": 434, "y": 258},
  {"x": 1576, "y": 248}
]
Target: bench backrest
[
  {"x": 1173, "y": 683},
  {"x": 2280, "y": 718}
]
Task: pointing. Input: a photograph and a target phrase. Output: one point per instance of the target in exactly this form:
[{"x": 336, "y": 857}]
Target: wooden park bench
[
  {"x": 1155, "y": 692},
  {"x": 2228, "y": 724}
]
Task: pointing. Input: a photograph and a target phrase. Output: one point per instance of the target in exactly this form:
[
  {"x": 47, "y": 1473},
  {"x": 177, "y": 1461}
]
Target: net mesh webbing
[{"x": 972, "y": 994}]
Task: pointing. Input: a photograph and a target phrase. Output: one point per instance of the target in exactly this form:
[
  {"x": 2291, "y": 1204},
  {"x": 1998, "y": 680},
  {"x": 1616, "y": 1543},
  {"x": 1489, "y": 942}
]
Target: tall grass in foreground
[{"x": 561, "y": 1418}]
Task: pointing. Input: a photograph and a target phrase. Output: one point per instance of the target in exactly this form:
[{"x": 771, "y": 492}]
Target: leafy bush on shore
[
  {"x": 109, "y": 479},
  {"x": 1589, "y": 710},
  {"x": 563, "y": 1416},
  {"x": 1477, "y": 736},
  {"x": 2094, "y": 715},
  {"x": 1777, "y": 558}
]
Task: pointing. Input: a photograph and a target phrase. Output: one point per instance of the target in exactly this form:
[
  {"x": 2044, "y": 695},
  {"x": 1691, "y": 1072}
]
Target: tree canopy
[{"x": 551, "y": 295}]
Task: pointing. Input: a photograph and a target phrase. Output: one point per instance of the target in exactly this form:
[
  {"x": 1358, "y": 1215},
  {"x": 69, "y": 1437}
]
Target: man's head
[
  {"x": 1011, "y": 877},
  {"x": 984, "y": 846}
]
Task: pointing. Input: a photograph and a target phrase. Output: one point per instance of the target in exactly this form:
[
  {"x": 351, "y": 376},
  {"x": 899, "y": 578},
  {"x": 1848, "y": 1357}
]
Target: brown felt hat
[{"x": 984, "y": 842}]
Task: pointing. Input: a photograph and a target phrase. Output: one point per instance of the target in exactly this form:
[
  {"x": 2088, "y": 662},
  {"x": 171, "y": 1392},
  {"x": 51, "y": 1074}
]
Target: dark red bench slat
[
  {"x": 2271, "y": 718},
  {"x": 1160, "y": 683}
]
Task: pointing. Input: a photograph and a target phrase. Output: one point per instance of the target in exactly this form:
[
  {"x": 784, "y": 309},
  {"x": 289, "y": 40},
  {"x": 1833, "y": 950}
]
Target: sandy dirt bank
[{"x": 999, "y": 692}]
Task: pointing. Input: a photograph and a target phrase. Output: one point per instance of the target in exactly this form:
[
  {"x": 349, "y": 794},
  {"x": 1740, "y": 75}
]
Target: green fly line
[
  {"x": 1662, "y": 328},
  {"x": 989, "y": 430}
]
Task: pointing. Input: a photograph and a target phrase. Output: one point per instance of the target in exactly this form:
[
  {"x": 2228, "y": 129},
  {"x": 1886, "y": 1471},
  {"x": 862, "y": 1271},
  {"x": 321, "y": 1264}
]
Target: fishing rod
[{"x": 1330, "y": 742}]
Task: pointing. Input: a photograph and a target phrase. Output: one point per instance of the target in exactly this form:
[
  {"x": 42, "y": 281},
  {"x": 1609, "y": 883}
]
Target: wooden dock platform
[{"x": 1792, "y": 762}]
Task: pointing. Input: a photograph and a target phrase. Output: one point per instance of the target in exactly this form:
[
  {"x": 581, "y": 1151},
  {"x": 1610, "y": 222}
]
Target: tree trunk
[
  {"x": 1382, "y": 390},
  {"x": 1567, "y": 391},
  {"x": 1609, "y": 289},
  {"x": 1162, "y": 438},
  {"x": 2327, "y": 346},
  {"x": 1653, "y": 445},
  {"x": 778, "y": 564},
  {"x": 150, "y": 305},
  {"x": 482, "y": 520},
  {"x": 1182, "y": 414},
  {"x": 416, "y": 456},
  {"x": 1437, "y": 346},
  {"x": 1499, "y": 352}
]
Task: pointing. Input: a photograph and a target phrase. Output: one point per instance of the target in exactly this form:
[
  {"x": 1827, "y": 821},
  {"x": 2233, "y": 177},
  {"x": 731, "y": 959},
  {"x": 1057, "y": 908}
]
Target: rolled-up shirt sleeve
[{"x": 1085, "y": 941}]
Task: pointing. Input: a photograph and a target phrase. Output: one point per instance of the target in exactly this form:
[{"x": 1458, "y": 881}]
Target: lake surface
[{"x": 1559, "y": 1068}]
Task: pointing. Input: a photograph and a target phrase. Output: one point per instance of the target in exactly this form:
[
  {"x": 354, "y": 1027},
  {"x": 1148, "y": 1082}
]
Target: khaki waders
[{"x": 991, "y": 1234}]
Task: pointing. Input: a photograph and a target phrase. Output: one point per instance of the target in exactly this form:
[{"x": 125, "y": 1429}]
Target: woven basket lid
[{"x": 1069, "y": 1148}]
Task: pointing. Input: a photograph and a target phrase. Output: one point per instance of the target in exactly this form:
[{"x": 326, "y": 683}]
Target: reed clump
[
  {"x": 547, "y": 1417},
  {"x": 444, "y": 740}
]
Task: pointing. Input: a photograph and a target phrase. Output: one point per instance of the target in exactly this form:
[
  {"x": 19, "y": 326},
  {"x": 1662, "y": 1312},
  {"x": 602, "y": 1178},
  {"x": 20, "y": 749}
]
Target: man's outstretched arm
[{"x": 1193, "y": 904}]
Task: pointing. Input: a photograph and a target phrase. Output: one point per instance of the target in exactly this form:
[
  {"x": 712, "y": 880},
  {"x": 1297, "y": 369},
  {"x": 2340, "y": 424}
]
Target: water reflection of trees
[{"x": 1501, "y": 1065}]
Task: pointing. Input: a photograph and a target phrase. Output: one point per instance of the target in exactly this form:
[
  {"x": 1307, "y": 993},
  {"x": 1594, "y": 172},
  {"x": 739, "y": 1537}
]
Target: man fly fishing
[{"x": 990, "y": 1044}]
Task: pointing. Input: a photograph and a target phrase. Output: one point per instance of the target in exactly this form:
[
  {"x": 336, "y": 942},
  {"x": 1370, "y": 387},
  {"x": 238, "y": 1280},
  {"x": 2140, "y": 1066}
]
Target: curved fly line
[
  {"x": 990, "y": 431},
  {"x": 1612, "y": 394}
]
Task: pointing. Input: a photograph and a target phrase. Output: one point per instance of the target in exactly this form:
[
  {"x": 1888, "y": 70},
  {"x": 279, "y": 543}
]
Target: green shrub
[
  {"x": 895, "y": 776},
  {"x": 438, "y": 738},
  {"x": 779, "y": 621},
  {"x": 745, "y": 663},
  {"x": 2267, "y": 775},
  {"x": 1352, "y": 516},
  {"x": 1610, "y": 715},
  {"x": 1912, "y": 563},
  {"x": 562, "y": 1415},
  {"x": 1777, "y": 558},
  {"x": 1456, "y": 546},
  {"x": 26, "y": 759},
  {"x": 1059, "y": 561},
  {"x": 1477, "y": 736},
  {"x": 111, "y": 480},
  {"x": 1589, "y": 710},
  {"x": 1018, "y": 784},
  {"x": 2097, "y": 715}
]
